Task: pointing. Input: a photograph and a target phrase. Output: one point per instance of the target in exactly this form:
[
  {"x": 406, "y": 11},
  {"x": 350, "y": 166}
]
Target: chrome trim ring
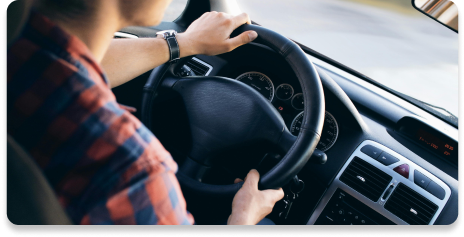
[
  {"x": 284, "y": 84},
  {"x": 263, "y": 75}
]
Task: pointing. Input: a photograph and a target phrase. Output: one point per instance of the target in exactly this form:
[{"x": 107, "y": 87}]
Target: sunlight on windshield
[{"x": 388, "y": 41}]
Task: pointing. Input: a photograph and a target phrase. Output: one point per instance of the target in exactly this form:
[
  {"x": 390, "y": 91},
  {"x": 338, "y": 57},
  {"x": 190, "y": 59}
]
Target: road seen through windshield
[{"x": 388, "y": 41}]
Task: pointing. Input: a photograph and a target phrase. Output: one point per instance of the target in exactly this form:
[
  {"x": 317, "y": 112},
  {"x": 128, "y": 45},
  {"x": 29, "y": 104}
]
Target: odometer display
[
  {"x": 329, "y": 131},
  {"x": 259, "y": 82}
]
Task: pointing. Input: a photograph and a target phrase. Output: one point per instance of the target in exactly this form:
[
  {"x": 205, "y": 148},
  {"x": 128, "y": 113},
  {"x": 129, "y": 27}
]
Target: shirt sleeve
[{"x": 147, "y": 190}]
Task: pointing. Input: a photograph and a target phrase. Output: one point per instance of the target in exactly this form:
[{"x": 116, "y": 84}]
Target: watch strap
[{"x": 174, "y": 51}]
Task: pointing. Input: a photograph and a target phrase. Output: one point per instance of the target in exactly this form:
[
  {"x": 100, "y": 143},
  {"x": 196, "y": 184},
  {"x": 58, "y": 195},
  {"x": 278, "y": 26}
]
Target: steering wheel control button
[
  {"x": 371, "y": 151},
  {"x": 436, "y": 190},
  {"x": 403, "y": 170},
  {"x": 387, "y": 159},
  {"x": 421, "y": 179}
]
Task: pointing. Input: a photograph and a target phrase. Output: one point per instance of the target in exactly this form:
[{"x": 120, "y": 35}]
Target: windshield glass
[{"x": 388, "y": 41}]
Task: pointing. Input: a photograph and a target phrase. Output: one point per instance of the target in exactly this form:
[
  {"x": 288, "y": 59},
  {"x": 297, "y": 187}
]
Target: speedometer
[
  {"x": 259, "y": 82},
  {"x": 329, "y": 131}
]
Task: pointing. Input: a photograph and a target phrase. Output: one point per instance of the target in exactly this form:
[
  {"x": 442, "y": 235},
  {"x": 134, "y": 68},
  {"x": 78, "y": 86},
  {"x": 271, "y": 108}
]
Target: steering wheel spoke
[
  {"x": 286, "y": 141},
  {"x": 193, "y": 169},
  {"x": 225, "y": 114},
  {"x": 170, "y": 81}
]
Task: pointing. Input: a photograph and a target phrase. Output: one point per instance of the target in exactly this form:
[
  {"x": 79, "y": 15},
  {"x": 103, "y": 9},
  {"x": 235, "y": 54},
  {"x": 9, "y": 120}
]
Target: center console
[{"x": 377, "y": 186}]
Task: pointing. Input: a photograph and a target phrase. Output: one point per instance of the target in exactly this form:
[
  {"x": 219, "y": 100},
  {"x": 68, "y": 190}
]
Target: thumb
[
  {"x": 252, "y": 178},
  {"x": 275, "y": 195},
  {"x": 243, "y": 38}
]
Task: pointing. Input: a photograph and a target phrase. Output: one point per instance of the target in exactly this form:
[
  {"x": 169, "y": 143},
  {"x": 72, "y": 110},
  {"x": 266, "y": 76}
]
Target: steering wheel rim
[{"x": 314, "y": 107}]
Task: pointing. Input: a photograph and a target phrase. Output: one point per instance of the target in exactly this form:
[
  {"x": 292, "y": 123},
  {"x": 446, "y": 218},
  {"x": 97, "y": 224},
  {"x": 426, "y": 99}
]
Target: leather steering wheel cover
[
  {"x": 314, "y": 106},
  {"x": 149, "y": 93},
  {"x": 311, "y": 128}
]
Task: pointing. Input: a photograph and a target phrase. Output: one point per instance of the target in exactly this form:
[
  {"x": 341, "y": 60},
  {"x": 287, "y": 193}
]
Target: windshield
[{"x": 388, "y": 41}]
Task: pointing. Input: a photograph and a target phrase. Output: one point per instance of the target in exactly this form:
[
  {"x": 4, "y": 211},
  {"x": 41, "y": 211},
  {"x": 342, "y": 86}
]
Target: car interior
[{"x": 346, "y": 149}]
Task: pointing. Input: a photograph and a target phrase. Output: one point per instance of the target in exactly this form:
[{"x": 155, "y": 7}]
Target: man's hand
[
  {"x": 210, "y": 34},
  {"x": 251, "y": 205}
]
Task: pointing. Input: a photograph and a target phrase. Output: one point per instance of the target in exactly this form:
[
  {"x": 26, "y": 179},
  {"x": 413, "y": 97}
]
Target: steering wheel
[{"x": 248, "y": 117}]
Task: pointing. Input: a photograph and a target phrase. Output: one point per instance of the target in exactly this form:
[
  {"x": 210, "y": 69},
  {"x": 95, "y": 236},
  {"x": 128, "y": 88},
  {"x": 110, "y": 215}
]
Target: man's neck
[{"x": 96, "y": 30}]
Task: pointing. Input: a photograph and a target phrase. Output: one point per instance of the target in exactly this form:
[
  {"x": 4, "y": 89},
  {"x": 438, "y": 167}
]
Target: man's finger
[
  {"x": 237, "y": 180},
  {"x": 244, "y": 38},
  {"x": 241, "y": 19},
  {"x": 252, "y": 178},
  {"x": 274, "y": 194}
]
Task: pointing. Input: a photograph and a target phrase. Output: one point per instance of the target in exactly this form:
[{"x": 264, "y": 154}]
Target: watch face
[{"x": 167, "y": 32}]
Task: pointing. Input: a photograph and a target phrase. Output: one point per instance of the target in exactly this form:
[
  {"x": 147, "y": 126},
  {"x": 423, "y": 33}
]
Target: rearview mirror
[{"x": 443, "y": 11}]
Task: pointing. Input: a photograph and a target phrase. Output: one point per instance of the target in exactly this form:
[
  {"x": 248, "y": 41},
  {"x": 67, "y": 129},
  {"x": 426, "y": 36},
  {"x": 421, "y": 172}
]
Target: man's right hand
[
  {"x": 210, "y": 34},
  {"x": 251, "y": 205}
]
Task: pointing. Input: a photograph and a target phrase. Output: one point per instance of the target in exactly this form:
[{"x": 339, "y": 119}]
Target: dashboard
[
  {"x": 280, "y": 87},
  {"x": 290, "y": 105},
  {"x": 413, "y": 177}
]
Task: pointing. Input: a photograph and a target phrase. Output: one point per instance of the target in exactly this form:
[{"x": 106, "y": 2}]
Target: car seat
[{"x": 30, "y": 199}]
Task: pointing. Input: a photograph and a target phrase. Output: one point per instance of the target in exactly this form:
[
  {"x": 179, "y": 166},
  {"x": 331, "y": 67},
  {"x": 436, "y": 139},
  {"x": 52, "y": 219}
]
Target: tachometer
[
  {"x": 329, "y": 131},
  {"x": 259, "y": 82}
]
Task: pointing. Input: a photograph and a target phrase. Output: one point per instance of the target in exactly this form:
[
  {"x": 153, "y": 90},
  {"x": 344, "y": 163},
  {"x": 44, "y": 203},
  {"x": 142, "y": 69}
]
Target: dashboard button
[
  {"x": 371, "y": 151},
  {"x": 403, "y": 170},
  {"x": 387, "y": 159},
  {"x": 436, "y": 190},
  {"x": 420, "y": 179}
]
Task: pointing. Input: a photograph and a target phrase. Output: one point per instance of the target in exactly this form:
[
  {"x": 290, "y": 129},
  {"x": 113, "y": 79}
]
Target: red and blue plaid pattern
[{"x": 104, "y": 165}]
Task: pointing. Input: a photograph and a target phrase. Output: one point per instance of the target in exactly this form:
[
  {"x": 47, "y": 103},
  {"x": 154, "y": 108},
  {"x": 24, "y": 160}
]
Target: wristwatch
[{"x": 170, "y": 37}]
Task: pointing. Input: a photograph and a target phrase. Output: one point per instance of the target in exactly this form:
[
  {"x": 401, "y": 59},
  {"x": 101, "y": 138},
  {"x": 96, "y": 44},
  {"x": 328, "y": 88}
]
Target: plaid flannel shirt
[{"x": 104, "y": 165}]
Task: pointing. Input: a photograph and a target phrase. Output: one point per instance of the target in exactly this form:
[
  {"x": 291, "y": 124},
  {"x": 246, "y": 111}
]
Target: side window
[{"x": 174, "y": 10}]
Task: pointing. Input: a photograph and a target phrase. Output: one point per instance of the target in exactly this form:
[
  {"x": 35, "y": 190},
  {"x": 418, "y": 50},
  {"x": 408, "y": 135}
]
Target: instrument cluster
[{"x": 290, "y": 104}]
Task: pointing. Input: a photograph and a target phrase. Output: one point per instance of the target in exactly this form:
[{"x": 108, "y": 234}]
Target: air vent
[
  {"x": 410, "y": 206},
  {"x": 366, "y": 179},
  {"x": 199, "y": 67}
]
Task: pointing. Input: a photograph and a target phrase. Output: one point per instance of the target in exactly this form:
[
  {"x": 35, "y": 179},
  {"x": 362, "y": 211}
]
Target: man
[{"x": 104, "y": 165}]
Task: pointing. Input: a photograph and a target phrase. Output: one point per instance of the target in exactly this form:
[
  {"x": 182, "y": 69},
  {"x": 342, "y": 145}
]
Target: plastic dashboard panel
[
  {"x": 210, "y": 68},
  {"x": 397, "y": 178},
  {"x": 367, "y": 98}
]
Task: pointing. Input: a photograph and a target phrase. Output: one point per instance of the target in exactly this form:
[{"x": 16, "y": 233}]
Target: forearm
[
  {"x": 129, "y": 58},
  {"x": 126, "y": 59}
]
